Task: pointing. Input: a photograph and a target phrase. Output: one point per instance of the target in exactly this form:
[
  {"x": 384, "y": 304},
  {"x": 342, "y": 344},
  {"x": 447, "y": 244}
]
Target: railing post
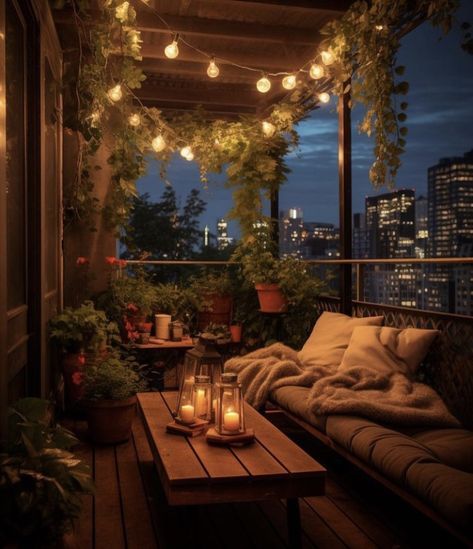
[
  {"x": 360, "y": 281},
  {"x": 344, "y": 179}
]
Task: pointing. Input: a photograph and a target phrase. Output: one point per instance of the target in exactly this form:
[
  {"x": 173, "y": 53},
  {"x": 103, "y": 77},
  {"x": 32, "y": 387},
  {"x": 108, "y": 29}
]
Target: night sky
[{"x": 440, "y": 124}]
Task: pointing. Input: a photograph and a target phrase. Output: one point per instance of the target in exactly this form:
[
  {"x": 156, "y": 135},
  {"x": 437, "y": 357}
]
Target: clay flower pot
[
  {"x": 235, "y": 331},
  {"x": 110, "y": 421},
  {"x": 271, "y": 298},
  {"x": 220, "y": 310}
]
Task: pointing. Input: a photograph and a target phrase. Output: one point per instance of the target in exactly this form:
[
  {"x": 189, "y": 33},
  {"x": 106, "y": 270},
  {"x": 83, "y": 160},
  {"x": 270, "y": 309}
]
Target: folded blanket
[{"x": 386, "y": 397}]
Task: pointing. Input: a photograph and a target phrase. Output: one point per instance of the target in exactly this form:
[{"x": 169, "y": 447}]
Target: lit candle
[
  {"x": 187, "y": 413},
  {"x": 231, "y": 421},
  {"x": 200, "y": 403}
]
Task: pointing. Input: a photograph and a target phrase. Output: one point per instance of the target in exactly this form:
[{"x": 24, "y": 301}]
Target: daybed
[{"x": 430, "y": 467}]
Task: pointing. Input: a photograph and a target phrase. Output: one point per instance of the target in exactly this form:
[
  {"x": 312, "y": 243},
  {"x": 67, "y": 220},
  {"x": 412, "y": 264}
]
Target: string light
[
  {"x": 379, "y": 27},
  {"x": 213, "y": 71},
  {"x": 289, "y": 82},
  {"x": 268, "y": 129},
  {"x": 324, "y": 97},
  {"x": 327, "y": 57},
  {"x": 263, "y": 85},
  {"x": 115, "y": 93},
  {"x": 134, "y": 120},
  {"x": 171, "y": 51},
  {"x": 316, "y": 71},
  {"x": 186, "y": 152},
  {"x": 158, "y": 143}
]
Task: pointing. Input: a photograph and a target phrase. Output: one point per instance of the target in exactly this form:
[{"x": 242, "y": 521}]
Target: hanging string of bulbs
[{"x": 316, "y": 71}]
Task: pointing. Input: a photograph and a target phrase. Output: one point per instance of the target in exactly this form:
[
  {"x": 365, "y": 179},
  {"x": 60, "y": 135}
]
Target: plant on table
[
  {"x": 41, "y": 481},
  {"x": 181, "y": 302}
]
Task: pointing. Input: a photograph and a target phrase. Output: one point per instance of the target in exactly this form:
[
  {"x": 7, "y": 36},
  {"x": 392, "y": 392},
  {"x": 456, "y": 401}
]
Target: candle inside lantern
[
  {"x": 187, "y": 413},
  {"x": 200, "y": 403},
  {"x": 231, "y": 421}
]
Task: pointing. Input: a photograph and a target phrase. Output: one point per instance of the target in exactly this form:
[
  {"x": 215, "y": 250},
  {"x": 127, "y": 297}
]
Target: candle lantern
[
  {"x": 202, "y": 360},
  {"x": 229, "y": 407},
  {"x": 202, "y": 397},
  {"x": 185, "y": 409}
]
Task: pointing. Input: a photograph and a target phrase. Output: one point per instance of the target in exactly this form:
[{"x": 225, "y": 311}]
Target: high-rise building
[
  {"x": 361, "y": 238},
  {"x": 291, "y": 232},
  {"x": 223, "y": 239},
  {"x": 320, "y": 240},
  {"x": 421, "y": 227}
]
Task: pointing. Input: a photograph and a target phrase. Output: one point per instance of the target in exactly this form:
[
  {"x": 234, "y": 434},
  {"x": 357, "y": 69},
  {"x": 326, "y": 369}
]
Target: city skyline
[{"x": 440, "y": 124}]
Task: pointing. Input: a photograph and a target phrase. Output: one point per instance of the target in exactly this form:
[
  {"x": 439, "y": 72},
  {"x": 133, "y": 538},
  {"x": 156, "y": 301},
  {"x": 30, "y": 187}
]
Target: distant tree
[{"x": 163, "y": 230}]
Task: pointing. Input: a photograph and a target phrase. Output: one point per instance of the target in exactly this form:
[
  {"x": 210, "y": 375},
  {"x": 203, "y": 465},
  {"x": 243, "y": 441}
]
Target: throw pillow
[
  {"x": 330, "y": 337},
  {"x": 388, "y": 350}
]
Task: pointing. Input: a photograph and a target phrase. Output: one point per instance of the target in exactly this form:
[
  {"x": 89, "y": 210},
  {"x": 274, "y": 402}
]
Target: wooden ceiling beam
[
  {"x": 148, "y": 20},
  {"x": 335, "y": 7}
]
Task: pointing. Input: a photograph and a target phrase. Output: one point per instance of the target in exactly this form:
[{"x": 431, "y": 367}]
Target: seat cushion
[
  {"x": 387, "y": 350},
  {"x": 294, "y": 400},
  {"x": 453, "y": 447},
  {"x": 330, "y": 337}
]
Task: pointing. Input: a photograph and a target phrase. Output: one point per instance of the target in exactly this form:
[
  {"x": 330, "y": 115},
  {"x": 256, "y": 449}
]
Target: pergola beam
[{"x": 334, "y": 7}]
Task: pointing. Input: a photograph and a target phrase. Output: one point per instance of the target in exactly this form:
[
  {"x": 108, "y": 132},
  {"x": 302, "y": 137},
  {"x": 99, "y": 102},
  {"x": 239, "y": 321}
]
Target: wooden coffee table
[{"x": 194, "y": 473}]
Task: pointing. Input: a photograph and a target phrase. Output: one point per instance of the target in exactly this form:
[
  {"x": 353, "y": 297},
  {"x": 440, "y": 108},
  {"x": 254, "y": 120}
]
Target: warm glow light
[
  {"x": 213, "y": 71},
  {"x": 263, "y": 85},
  {"x": 186, "y": 152},
  {"x": 190, "y": 156},
  {"x": 324, "y": 97},
  {"x": 289, "y": 82},
  {"x": 316, "y": 71},
  {"x": 171, "y": 51},
  {"x": 134, "y": 120},
  {"x": 327, "y": 57},
  {"x": 158, "y": 143},
  {"x": 379, "y": 27},
  {"x": 115, "y": 93},
  {"x": 268, "y": 129}
]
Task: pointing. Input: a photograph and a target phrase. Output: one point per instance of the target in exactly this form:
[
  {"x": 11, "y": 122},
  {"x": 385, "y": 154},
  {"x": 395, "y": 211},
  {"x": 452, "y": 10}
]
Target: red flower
[
  {"x": 121, "y": 262},
  {"x": 82, "y": 261},
  {"x": 132, "y": 308},
  {"x": 111, "y": 260},
  {"x": 81, "y": 360},
  {"x": 77, "y": 378}
]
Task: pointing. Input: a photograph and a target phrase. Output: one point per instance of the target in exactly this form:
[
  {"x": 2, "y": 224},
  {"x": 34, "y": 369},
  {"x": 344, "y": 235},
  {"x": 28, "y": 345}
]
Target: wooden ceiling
[{"x": 272, "y": 35}]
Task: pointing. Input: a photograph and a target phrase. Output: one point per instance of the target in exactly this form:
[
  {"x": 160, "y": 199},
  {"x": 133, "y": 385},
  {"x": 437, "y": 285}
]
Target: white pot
[{"x": 162, "y": 325}]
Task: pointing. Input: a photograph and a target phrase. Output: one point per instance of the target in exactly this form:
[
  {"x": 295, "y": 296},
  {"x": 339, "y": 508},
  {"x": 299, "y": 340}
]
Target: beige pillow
[
  {"x": 330, "y": 337},
  {"x": 388, "y": 349}
]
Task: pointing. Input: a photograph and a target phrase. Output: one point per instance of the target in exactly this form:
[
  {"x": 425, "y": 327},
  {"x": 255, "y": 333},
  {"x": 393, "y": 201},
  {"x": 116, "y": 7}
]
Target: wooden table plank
[
  {"x": 293, "y": 458},
  {"x": 174, "y": 456},
  {"x": 184, "y": 344},
  {"x": 258, "y": 461}
]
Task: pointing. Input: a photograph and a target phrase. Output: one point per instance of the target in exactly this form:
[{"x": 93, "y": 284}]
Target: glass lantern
[
  {"x": 185, "y": 412},
  {"x": 229, "y": 407},
  {"x": 202, "y": 360},
  {"x": 202, "y": 397}
]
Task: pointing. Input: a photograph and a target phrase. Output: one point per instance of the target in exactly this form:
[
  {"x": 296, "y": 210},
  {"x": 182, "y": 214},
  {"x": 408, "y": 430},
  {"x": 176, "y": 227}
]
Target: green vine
[{"x": 364, "y": 43}]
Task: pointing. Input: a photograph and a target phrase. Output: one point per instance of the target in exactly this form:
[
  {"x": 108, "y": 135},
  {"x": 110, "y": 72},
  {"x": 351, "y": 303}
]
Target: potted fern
[{"x": 110, "y": 388}]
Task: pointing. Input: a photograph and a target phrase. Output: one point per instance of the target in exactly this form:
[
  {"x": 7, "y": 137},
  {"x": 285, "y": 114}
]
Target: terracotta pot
[
  {"x": 110, "y": 420},
  {"x": 271, "y": 298},
  {"x": 235, "y": 331},
  {"x": 220, "y": 313}
]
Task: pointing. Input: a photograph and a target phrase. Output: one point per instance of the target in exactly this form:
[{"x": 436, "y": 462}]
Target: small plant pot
[
  {"x": 220, "y": 310},
  {"x": 235, "y": 331},
  {"x": 271, "y": 298},
  {"x": 144, "y": 337},
  {"x": 110, "y": 421}
]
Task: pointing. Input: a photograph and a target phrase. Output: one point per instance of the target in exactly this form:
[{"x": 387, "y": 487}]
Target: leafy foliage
[
  {"x": 83, "y": 328},
  {"x": 40, "y": 479}
]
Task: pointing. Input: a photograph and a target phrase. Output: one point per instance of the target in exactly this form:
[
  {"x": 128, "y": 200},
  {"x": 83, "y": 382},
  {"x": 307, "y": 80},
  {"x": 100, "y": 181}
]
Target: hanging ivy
[{"x": 364, "y": 44}]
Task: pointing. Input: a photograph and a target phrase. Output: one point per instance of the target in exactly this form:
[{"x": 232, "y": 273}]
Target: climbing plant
[{"x": 363, "y": 45}]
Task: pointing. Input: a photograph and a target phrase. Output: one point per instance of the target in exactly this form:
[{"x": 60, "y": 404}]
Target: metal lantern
[
  {"x": 202, "y": 397},
  {"x": 202, "y": 360},
  {"x": 229, "y": 407}
]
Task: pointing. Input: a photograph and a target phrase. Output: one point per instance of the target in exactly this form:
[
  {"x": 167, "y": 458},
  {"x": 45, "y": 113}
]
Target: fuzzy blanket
[{"x": 360, "y": 391}]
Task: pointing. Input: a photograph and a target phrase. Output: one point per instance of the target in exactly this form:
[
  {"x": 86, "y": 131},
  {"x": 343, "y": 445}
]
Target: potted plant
[
  {"x": 41, "y": 481},
  {"x": 181, "y": 302},
  {"x": 216, "y": 293},
  {"x": 82, "y": 333},
  {"x": 110, "y": 388}
]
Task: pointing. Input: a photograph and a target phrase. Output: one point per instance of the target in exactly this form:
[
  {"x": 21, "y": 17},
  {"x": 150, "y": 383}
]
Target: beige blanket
[{"x": 362, "y": 391}]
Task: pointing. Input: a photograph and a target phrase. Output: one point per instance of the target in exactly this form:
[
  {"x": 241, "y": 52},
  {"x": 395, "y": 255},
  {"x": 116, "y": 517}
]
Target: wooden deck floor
[{"x": 129, "y": 508}]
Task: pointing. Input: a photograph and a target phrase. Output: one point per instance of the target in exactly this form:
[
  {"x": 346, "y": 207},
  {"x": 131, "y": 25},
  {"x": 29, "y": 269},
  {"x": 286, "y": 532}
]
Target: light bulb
[
  {"x": 171, "y": 51},
  {"x": 289, "y": 82},
  {"x": 213, "y": 71},
  {"x": 186, "y": 152},
  {"x": 379, "y": 27},
  {"x": 115, "y": 93},
  {"x": 263, "y": 85},
  {"x": 158, "y": 143},
  {"x": 316, "y": 71},
  {"x": 324, "y": 97},
  {"x": 190, "y": 156},
  {"x": 134, "y": 120},
  {"x": 327, "y": 57},
  {"x": 268, "y": 128}
]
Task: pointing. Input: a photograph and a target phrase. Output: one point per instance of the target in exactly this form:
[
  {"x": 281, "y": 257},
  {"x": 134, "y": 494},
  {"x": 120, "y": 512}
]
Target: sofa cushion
[
  {"x": 294, "y": 400},
  {"x": 386, "y": 349},
  {"x": 330, "y": 337},
  {"x": 453, "y": 447},
  {"x": 447, "y": 490}
]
